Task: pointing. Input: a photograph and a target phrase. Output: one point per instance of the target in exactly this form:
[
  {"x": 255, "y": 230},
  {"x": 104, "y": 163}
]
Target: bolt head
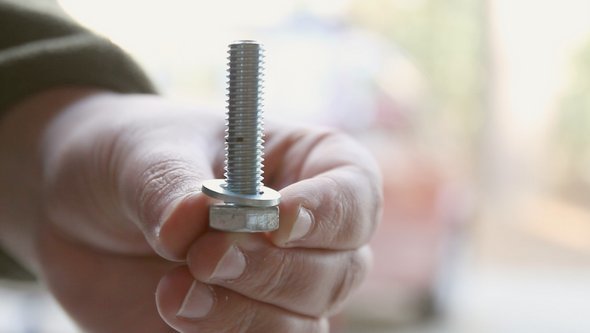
[{"x": 235, "y": 218}]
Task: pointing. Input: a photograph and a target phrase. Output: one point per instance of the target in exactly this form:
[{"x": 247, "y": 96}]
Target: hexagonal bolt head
[{"x": 243, "y": 218}]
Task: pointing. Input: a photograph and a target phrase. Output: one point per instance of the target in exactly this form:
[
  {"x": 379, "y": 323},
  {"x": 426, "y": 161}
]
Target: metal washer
[{"x": 215, "y": 189}]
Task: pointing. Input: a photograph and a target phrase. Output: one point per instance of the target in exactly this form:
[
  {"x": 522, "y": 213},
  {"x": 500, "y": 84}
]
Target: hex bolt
[{"x": 248, "y": 205}]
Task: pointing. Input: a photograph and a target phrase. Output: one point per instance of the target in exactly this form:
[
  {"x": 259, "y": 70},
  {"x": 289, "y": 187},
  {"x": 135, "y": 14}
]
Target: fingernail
[
  {"x": 231, "y": 265},
  {"x": 302, "y": 225},
  {"x": 197, "y": 302}
]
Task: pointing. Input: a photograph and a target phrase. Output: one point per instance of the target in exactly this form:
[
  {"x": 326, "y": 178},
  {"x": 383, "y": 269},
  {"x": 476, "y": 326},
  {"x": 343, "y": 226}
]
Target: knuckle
[
  {"x": 250, "y": 321},
  {"x": 353, "y": 273},
  {"x": 359, "y": 211},
  {"x": 161, "y": 180},
  {"x": 342, "y": 220},
  {"x": 377, "y": 198},
  {"x": 260, "y": 321},
  {"x": 249, "y": 316},
  {"x": 338, "y": 210},
  {"x": 279, "y": 276}
]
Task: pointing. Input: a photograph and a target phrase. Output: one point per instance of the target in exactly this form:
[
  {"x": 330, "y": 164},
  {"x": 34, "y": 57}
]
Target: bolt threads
[{"x": 244, "y": 126}]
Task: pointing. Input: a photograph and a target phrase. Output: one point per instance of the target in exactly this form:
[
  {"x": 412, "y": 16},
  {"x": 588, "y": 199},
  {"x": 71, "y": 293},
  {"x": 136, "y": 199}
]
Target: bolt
[{"x": 248, "y": 205}]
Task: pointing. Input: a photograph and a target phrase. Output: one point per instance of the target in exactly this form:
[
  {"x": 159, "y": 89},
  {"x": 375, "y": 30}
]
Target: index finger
[{"x": 336, "y": 202}]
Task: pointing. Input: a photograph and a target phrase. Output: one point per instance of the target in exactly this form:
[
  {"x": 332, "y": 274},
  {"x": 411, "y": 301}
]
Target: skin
[{"x": 100, "y": 199}]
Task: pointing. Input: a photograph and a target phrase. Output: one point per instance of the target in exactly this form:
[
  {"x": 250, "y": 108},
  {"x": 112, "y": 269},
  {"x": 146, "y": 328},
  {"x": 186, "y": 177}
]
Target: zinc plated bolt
[{"x": 248, "y": 205}]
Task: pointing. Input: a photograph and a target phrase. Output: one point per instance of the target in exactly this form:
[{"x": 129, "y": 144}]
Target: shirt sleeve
[{"x": 41, "y": 47}]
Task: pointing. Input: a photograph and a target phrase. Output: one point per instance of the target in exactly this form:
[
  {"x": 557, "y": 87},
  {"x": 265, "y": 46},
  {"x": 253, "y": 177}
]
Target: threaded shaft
[{"x": 244, "y": 127}]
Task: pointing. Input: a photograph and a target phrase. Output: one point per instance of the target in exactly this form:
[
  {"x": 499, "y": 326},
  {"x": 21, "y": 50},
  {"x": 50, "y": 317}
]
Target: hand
[{"x": 123, "y": 218}]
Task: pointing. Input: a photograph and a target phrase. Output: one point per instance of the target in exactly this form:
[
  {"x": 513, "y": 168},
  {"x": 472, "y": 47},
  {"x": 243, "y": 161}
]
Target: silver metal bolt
[{"x": 248, "y": 205}]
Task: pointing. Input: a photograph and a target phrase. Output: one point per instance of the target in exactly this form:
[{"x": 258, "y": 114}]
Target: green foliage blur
[
  {"x": 572, "y": 132},
  {"x": 446, "y": 39}
]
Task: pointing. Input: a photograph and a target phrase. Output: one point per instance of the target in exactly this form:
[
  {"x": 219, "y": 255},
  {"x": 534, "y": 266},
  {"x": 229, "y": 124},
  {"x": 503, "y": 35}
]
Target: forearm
[{"x": 41, "y": 48}]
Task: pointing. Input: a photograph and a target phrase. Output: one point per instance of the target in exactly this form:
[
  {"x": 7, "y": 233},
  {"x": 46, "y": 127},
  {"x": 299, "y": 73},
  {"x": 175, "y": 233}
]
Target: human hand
[{"x": 123, "y": 214}]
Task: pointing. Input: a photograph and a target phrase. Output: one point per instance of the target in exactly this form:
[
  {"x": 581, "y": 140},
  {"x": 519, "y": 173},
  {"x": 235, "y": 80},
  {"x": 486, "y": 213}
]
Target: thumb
[
  {"x": 123, "y": 171},
  {"x": 160, "y": 191}
]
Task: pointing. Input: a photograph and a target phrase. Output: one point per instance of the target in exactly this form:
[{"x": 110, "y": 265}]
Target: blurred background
[{"x": 478, "y": 112}]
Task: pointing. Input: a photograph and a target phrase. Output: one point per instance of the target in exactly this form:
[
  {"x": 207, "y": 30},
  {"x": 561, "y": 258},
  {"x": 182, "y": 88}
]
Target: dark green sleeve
[{"x": 41, "y": 47}]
